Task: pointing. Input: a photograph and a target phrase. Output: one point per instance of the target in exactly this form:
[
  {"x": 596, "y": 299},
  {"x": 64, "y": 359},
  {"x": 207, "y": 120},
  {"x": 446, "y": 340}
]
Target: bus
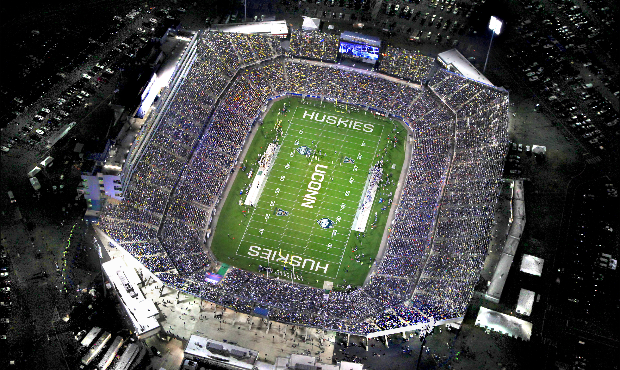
[
  {"x": 90, "y": 337},
  {"x": 96, "y": 348},
  {"x": 111, "y": 353},
  {"x": 130, "y": 354}
]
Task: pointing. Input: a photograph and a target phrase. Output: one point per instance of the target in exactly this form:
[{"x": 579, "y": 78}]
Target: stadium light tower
[{"x": 495, "y": 25}]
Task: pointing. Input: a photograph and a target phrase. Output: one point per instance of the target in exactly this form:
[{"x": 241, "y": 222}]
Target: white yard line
[
  {"x": 252, "y": 215},
  {"x": 295, "y": 245},
  {"x": 344, "y": 249},
  {"x": 304, "y": 271},
  {"x": 300, "y": 188},
  {"x": 309, "y": 212},
  {"x": 336, "y": 136},
  {"x": 371, "y": 163},
  {"x": 244, "y": 232},
  {"x": 317, "y": 213},
  {"x": 370, "y": 137}
]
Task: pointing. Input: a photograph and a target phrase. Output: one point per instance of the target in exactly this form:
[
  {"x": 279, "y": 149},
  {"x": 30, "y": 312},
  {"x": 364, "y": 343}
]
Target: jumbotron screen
[{"x": 366, "y": 53}]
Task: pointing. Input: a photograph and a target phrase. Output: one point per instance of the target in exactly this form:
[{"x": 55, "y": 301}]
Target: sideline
[{"x": 231, "y": 180}]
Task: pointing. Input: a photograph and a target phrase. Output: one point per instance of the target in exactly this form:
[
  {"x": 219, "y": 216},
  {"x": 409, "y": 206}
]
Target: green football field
[{"x": 301, "y": 223}]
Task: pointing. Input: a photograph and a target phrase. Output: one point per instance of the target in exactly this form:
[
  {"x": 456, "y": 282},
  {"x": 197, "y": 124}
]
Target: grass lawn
[{"x": 283, "y": 230}]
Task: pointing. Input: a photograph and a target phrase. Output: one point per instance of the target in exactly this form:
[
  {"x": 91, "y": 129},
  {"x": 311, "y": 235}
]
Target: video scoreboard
[
  {"x": 364, "y": 53},
  {"x": 359, "y": 47}
]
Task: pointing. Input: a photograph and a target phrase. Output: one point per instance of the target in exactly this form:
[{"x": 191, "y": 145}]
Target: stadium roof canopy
[
  {"x": 494, "y": 291},
  {"x": 455, "y": 61},
  {"x": 273, "y": 28},
  {"x": 360, "y": 38}
]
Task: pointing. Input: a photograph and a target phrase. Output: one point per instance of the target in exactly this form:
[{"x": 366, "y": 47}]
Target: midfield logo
[
  {"x": 314, "y": 186},
  {"x": 281, "y": 212},
  {"x": 326, "y": 223},
  {"x": 304, "y": 150}
]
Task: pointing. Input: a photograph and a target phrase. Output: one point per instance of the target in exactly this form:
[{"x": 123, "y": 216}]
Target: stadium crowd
[
  {"x": 314, "y": 45},
  {"x": 446, "y": 204},
  {"x": 406, "y": 64}
]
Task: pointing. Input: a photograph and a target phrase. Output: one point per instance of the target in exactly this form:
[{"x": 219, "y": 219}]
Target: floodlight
[{"x": 495, "y": 25}]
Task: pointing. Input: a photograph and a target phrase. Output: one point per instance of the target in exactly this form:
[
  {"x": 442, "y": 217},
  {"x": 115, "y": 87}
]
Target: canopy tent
[{"x": 311, "y": 24}]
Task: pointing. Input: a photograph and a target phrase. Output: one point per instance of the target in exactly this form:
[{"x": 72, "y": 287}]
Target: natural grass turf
[{"x": 247, "y": 237}]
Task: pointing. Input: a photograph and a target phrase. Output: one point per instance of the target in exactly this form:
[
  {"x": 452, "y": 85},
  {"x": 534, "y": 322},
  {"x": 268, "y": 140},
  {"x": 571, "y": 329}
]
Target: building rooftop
[
  {"x": 505, "y": 324},
  {"x": 526, "y": 302},
  {"x": 273, "y": 28},
  {"x": 532, "y": 265},
  {"x": 141, "y": 310},
  {"x": 212, "y": 350}
]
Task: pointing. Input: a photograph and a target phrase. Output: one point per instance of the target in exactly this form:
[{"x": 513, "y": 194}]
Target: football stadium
[
  {"x": 285, "y": 182},
  {"x": 312, "y": 210}
]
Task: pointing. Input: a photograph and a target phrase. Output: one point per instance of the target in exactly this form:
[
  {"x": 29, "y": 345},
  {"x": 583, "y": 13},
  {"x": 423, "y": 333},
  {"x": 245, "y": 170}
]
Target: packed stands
[
  {"x": 407, "y": 64},
  {"x": 314, "y": 45},
  {"x": 442, "y": 223}
]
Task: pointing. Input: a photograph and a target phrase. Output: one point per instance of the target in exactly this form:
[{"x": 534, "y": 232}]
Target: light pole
[{"x": 495, "y": 25}]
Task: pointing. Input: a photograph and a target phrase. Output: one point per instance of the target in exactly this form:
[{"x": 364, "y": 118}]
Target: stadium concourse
[{"x": 179, "y": 166}]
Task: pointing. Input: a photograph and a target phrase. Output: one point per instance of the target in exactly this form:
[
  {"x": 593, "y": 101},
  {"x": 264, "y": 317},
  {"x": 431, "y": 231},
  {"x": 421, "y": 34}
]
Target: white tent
[
  {"x": 532, "y": 265},
  {"x": 311, "y": 24},
  {"x": 505, "y": 324},
  {"x": 526, "y": 302}
]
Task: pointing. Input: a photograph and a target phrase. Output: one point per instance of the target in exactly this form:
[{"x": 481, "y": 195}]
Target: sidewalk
[{"x": 187, "y": 317}]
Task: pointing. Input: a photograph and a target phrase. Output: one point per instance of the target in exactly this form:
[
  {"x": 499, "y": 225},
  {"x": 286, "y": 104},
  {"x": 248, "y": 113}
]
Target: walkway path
[{"x": 190, "y": 316}]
